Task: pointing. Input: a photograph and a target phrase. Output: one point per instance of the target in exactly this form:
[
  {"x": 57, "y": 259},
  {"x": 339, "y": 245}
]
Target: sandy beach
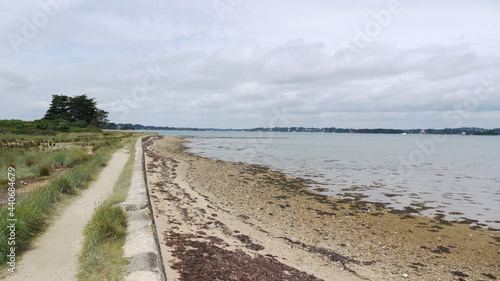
[{"x": 220, "y": 220}]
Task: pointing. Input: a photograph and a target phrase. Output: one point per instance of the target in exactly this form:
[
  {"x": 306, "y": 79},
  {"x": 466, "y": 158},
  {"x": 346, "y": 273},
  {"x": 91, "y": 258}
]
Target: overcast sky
[{"x": 244, "y": 64}]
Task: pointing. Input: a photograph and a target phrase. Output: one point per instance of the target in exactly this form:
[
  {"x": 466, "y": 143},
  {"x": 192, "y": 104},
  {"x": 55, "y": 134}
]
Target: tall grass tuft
[
  {"x": 30, "y": 161},
  {"x": 31, "y": 213},
  {"x": 65, "y": 186},
  {"x": 44, "y": 169},
  {"x": 108, "y": 222},
  {"x": 68, "y": 158}
]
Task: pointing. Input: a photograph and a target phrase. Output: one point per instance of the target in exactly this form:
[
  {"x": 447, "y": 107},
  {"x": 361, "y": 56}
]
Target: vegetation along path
[{"x": 54, "y": 255}]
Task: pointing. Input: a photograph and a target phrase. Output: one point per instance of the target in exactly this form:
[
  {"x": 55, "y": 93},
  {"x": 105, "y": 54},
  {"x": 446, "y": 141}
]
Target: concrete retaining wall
[{"x": 142, "y": 243}]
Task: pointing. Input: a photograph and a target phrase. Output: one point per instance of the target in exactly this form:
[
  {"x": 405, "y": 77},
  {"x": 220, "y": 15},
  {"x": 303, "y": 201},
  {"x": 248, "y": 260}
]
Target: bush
[
  {"x": 44, "y": 169},
  {"x": 30, "y": 161},
  {"x": 109, "y": 222},
  {"x": 89, "y": 129},
  {"x": 69, "y": 158},
  {"x": 31, "y": 212},
  {"x": 80, "y": 176},
  {"x": 64, "y": 186},
  {"x": 79, "y": 124}
]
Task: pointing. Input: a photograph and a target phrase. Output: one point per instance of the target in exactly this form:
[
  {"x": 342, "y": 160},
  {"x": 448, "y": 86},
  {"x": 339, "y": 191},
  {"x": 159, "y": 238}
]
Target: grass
[
  {"x": 39, "y": 156},
  {"x": 102, "y": 254},
  {"x": 67, "y": 153},
  {"x": 34, "y": 210}
]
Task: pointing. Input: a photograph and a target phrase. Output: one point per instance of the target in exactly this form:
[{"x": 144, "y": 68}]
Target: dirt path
[{"x": 54, "y": 255}]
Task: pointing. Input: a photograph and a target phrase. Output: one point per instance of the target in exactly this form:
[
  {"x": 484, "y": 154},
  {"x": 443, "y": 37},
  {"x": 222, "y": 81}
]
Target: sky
[{"x": 244, "y": 64}]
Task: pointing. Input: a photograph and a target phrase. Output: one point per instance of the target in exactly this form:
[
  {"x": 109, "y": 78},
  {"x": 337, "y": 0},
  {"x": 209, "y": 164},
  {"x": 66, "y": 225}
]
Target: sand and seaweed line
[{"x": 221, "y": 220}]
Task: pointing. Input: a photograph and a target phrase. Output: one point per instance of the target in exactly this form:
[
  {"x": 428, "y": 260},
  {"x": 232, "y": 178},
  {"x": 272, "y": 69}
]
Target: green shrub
[
  {"x": 68, "y": 158},
  {"x": 81, "y": 175},
  {"x": 4, "y": 183},
  {"x": 64, "y": 186},
  {"x": 44, "y": 169},
  {"x": 30, "y": 161},
  {"x": 109, "y": 222},
  {"x": 32, "y": 212},
  {"x": 102, "y": 253}
]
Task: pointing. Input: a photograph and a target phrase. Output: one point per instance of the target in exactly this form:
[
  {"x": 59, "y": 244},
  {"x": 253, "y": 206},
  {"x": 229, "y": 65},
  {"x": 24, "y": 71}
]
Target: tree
[
  {"x": 127, "y": 126},
  {"x": 59, "y": 108},
  {"x": 76, "y": 109}
]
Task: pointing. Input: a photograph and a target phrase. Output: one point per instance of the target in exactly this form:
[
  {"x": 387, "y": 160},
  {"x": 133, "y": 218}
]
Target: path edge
[{"x": 142, "y": 244}]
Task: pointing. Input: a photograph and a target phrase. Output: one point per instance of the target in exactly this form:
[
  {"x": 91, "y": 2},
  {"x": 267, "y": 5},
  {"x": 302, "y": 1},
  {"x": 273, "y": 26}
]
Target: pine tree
[{"x": 76, "y": 109}]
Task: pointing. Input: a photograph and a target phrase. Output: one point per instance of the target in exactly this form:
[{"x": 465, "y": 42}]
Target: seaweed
[{"x": 200, "y": 260}]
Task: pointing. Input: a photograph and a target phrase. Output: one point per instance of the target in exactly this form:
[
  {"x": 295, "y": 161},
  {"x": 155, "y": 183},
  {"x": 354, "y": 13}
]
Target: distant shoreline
[{"x": 445, "y": 131}]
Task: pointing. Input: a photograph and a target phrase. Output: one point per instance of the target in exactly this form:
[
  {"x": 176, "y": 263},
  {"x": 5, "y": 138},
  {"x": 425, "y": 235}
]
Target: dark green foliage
[
  {"x": 127, "y": 127},
  {"x": 24, "y": 127},
  {"x": 80, "y": 124},
  {"x": 44, "y": 127},
  {"x": 111, "y": 126},
  {"x": 59, "y": 108},
  {"x": 44, "y": 170},
  {"x": 488, "y": 133},
  {"x": 77, "y": 112}
]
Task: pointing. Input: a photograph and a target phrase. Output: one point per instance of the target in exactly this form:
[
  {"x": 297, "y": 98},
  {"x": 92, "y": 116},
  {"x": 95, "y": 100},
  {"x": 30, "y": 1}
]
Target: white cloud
[{"x": 263, "y": 57}]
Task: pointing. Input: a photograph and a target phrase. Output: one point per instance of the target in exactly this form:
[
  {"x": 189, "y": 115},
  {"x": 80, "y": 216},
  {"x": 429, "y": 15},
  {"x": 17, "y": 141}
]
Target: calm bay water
[{"x": 457, "y": 176}]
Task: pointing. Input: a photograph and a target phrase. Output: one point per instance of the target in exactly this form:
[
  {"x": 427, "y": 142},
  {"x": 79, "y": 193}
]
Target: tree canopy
[{"x": 78, "y": 109}]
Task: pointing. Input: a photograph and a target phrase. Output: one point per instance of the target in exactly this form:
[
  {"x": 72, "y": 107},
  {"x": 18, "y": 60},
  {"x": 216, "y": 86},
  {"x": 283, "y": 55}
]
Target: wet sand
[{"x": 220, "y": 220}]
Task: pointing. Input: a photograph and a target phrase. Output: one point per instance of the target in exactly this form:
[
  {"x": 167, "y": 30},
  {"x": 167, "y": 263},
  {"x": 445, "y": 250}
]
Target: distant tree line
[
  {"x": 446, "y": 131},
  {"x": 130, "y": 126},
  {"x": 300, "y": 129},
  {"x": 23, "y": 127}
]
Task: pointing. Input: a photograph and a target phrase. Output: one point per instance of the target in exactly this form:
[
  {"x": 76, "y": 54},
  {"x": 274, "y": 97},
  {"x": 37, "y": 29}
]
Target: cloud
[{"x": 261, "y": 58}]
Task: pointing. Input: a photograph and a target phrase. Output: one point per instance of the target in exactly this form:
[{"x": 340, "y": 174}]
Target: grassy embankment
[
  {"x": 49, "y": 171},
  {"x": 102, "y": 254}
]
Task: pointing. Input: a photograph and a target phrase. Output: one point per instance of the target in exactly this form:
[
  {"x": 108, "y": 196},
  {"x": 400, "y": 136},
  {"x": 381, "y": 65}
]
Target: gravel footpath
[{"x": 54, "y": 255}]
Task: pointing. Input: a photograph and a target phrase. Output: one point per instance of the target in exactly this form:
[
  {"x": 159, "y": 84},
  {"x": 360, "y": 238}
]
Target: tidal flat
[{"x": 229, "y": 219}]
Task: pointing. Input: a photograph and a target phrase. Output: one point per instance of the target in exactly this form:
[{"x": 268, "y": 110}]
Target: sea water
[{"x": 455, "y": 176}]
